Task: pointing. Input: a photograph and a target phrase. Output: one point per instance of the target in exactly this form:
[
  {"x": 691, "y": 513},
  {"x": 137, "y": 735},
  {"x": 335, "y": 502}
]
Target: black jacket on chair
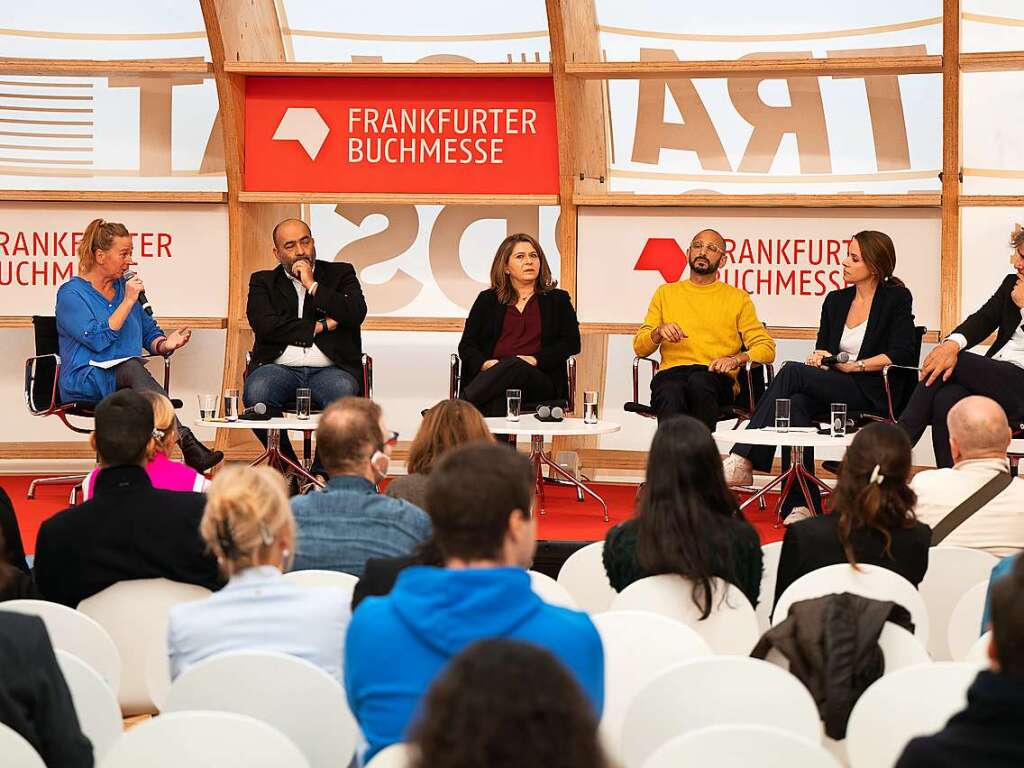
[
  {"x": 273, "y": 306},
  {"x": 559, "y": 335},
  {"x": 127, "y": 530},
  {"x": 890, "y": 332},
  {"x": 998, "y": 314}
]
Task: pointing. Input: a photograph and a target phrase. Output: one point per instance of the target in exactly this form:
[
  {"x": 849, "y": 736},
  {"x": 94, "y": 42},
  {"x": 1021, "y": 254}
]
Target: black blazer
[
  {"x": 559, "y": 335},
  {"x": 890, "y": 332},
  {"x": 127, "y": 530},
  {"x": 273, "y": 305},
  {"x": 999, "y": 314}
]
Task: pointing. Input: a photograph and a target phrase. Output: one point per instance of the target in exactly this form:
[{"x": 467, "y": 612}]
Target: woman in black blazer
[
  {"x": 871, "y": 320},
  {"x": 519, "y": 333}
]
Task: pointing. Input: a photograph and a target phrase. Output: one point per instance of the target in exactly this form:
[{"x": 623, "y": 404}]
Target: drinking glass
[
  {"x": 231, "y": 398},
  {"x": 207, "y": 406},
  {"x": 782, "y": 415},
  {"x": 590, "y": 407},
  {"x": 838, "y": 419},
  {"x": 303, "y": 397},
  {"x": 514, "y": 399}
]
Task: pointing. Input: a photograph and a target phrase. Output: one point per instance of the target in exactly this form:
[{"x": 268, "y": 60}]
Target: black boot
[{"x": 197, "y": 455}]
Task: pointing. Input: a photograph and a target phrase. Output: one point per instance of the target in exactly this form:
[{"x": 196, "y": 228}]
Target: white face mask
[{"x": 380, "y": 462}]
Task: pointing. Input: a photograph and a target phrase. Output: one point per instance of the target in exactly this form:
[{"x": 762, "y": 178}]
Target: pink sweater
[{"x": 163, "y": 473}]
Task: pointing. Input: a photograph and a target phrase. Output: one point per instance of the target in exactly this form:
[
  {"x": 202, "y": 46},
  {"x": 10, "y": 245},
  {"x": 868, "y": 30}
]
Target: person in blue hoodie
[{"x": 480, "y": 498}]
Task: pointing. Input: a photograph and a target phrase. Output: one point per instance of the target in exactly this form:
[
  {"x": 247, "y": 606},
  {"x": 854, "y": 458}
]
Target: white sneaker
[
  {"x": 738, "y": 471},
  {"x": 797, "y": 514}
]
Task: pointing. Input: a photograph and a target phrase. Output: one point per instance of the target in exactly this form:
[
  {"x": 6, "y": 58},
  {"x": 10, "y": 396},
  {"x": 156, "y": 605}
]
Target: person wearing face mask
[
  {"x": 343, "y": 525},
  {"x": 305, "y": 315}
]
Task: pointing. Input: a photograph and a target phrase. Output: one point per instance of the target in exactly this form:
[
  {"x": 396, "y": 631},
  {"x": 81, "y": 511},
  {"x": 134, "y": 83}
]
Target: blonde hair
[
  {"x": 163, "y": 421},
  {"x": 247, "y": 510},
  {"x": 98, "y": 236}
]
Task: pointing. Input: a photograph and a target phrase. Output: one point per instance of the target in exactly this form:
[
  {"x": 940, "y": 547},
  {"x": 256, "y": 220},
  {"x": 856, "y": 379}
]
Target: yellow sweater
[{"x": 718, "y": 320}]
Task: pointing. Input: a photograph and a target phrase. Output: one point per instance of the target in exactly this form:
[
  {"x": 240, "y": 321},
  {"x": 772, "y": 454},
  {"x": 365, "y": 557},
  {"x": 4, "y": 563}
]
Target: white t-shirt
[{"x": 853, "y": 340}]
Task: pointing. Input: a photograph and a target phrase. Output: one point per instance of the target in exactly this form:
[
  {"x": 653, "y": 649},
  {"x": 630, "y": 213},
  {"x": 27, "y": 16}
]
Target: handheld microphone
[
  {"x": 254, "y": 410},
  {"x": 548, "y": 413},
  {"x": 142, "y": 296},
  {"x": 842, "y": 357}
]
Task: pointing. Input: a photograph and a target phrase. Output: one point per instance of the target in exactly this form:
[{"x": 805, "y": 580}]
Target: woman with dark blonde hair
[{"x": 519, "y": 332}]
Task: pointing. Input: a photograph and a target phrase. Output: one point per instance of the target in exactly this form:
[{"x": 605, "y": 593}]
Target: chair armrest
[
  {"x": 570, "y": 374},
  {"x": 367, "y": 363},
  {"x": 30, "y": 377},
  {"x": 454, "y": 376},
  {"x": 655, "y": 366},
  {"x": 888, "y": 387},
  {"x": 748, "y": 368}
]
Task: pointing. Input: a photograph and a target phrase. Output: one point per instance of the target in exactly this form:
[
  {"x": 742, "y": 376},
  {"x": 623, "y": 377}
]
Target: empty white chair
[
  {"x": 730, "y": 629},
  {"x": 204, "y": 740},
  {"x": 766, "y": 598},
  {"x": 320, "y": 578},
  {"x": 584, "y": 577},
  {"x": 978, "y": 654},
  {"x": 741, "y": 746},
  {"x": 911, "y": 702},
  {"x": 550, "y": 591},
  {"x": 95, "y": 702},
  {"x": 965, "y": 621},
  {"x": 76, "y": 633},
  {"x": 135, "y": 615},
  {"x": 867, "y": 580},
  {"x": 396, "y": 756},
  {"x": 900, "y": 649},
  {"x": 638, "y": 647},
  {"x": 16, "y": 751},
  {"x": 291, "y": 694},
  {"x": 951, "y": 572},
  {"x": 716, "y": 690}
]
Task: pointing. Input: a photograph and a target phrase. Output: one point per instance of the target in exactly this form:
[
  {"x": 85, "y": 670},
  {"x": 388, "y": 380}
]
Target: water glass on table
[
  {"x": 513, "y": 400},
  {"x": 782, "y": 407},
  {"x": 207, "y": 406},
  {"x": 303, "y": 398},
  {"x": 838, "y": 419},
  {"x": 231, "y": 398},
  {"x": 590, "y": 407}
]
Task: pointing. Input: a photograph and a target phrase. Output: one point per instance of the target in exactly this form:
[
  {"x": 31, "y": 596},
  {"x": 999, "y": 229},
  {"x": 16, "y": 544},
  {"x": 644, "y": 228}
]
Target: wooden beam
[
  {"x": 109, "y": 196},
  {"x": 949, "y": 260},
  {"x": 995, "y": 61},
  {"x": 385, "y": 69},
  {"x": 1005, "y": 201},
  {"x": 25, "y": 321},
  {"x": 103, "y": 67},
  {"x": 395, "y": 198},
  {"x": 918, "y": 200},
  {"x": 854, "y": 66}
]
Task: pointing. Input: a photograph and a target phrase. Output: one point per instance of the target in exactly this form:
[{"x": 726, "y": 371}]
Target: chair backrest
[
  {"x": 135, "y": 615},
  {"x": 76, "y": 633},
  {"x": 716, "y": 690},
  {"x": 978, "y": 654},
  {"x": 396, "y": 756},
  {"x": 868, "y": 580},
  {"x": 900, "y": 649},
  {"x": 638, "y": 648},
  {"x": 39, "y": 390},
  {"x": 583, "y": 576},
  {"x": 296, "y": 697},
  {"x": 741, "y": 746},
  {"x": 550, "y": 591},
  {"x": 730, "y": 629},
  {"x": 951, "y": 572},
  {"x": 95, "y": 702},
  {"x": 320, "y": 578},
  {"x": 204, "y": 739},
  {"x": 965, "y": 621},
  {"x": 911, "y": 702},
  {"x": 903, "y": 380},
  {"x": 770, "y": 554},
  {"x": 16, "y": 751}
]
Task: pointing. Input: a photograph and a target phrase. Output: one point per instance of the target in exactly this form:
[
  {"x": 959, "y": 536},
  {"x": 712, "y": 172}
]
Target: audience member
[
  {"x": 34, "y": 698},
  {"x": 688, "y": 521},
  {"x": 129, "y": 529},
  {"x": 1003, "y": 568},
  {"x": 15, "y": 584},
  {"x": 506, "y": 704},
  {"x": 12, "y": 551},
  {"x": 163, "y": 471},
  {"x": 480, "y": 496},
  {"x": 979, "y": 435},
  {"x": 873, "y": 515},
  {"x": 249, "y": 526},
  {"x": 987, "y": 733},
  {"x": 349, "y": 522},
  {"x": 446, "y": 425}
]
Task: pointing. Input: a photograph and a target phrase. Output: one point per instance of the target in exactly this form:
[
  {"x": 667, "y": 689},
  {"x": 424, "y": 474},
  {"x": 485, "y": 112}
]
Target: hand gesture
[
  {"x": 133, "y": 287},
  {"x": 488, "y": 364},
  {"x": 303, "y": 272},
  {"x": 176, "y": 339},
  {"x": 530, "y": 359},
  {"x": 670, "y": 332},
  {"x": 940, "y": 362},
  {"x": 723, "y": 365},
  {"x": 1017, "y": 294},
  {"x": 815, "y": 358}
]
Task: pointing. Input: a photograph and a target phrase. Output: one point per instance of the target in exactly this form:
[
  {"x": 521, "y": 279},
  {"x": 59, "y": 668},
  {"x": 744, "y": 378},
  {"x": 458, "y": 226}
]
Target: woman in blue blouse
[{"x": 99, "y": 319}]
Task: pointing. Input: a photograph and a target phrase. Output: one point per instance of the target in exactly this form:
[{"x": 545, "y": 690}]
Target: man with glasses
[
  {"x": 950, "y": 373},
  {"x": 706, "y": 330}
]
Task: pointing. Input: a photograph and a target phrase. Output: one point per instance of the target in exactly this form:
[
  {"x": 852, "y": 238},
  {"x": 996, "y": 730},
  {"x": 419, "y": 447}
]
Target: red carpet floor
[{"x": 565, "y": 519}]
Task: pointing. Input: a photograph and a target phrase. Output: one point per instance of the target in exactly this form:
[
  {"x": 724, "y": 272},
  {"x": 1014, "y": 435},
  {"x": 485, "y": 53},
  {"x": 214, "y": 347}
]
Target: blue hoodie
[{"x": 398, "y": 644}]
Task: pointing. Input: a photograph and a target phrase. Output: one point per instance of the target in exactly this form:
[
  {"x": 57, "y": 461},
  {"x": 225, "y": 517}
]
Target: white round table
[
  {"x": 272, "y": 456},
  {"x": 529, "y": 425}
]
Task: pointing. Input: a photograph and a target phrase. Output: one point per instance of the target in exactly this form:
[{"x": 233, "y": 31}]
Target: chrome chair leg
[{"x": 75, "y": 480}]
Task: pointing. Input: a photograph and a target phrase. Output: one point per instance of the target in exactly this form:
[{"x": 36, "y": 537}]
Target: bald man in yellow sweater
[{"x": 707, "y": 330}]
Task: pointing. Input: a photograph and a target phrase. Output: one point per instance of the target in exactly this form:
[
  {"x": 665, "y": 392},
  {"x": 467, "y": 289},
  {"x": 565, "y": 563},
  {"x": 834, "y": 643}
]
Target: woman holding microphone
[{"x": 100, "y": 320}]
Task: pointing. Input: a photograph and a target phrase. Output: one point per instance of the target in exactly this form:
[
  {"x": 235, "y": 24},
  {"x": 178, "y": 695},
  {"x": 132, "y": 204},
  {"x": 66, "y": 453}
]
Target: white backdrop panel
[{"x": 986, "y": 252}]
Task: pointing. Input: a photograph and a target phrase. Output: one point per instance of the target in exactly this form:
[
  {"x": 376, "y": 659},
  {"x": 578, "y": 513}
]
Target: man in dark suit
[
  {"x": 306, "y": 316},
  {"x": 128, "y": 529},
  {"x": 951, "y": 373}
]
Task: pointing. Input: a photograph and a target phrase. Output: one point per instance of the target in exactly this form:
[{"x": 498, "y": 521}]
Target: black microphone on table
[
  {"x": 142, "y": 296},
  {"x": 547, "y": 413},
  {"x": 842, "y": 357},
  {"x": 257, "y": 412}
]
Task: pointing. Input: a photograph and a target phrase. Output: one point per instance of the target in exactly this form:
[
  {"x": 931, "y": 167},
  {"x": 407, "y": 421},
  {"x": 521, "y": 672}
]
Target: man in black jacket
[
  {"x": 128, "y": 529},
  {"x": 950, "y": 373},
  {"x": 305, "y": 315}
]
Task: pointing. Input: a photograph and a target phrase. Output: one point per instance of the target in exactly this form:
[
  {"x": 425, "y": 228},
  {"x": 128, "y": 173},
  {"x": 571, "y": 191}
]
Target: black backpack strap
[{"x": 970, "y": 505}]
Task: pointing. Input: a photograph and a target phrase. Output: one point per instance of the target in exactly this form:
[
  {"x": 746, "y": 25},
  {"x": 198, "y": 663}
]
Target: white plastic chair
[
  {"x": 135, "y": 615},
  {"x": 95, "y": 702},
  {"x": 978, "y": 654},
  {"x": 867, "y": 580},
  {"x": 741, "y": 746},
  {"x": 204, "y": 740},
  {"x": 638, "y": 647},
  {"x": 717, "y": 690},
  {"x": 396, "y": 756},
  {"x": 584, "y": 577},
  {"x": 770, "y": 554},
  {"x": 291, "y": 694},
  {"x": 951, "y": 572},
  {"x": 320, "y": 578},
  {"x": 900, "y": 649},
  {"x": 730, "y": 629},
  {"x": 76, "y": 633},
  {"x": 911, "y": 702},
  {"x": 550, "y": 591},
  {"x": 16, "y": 751},
  {"x": 965, "y": 620}
]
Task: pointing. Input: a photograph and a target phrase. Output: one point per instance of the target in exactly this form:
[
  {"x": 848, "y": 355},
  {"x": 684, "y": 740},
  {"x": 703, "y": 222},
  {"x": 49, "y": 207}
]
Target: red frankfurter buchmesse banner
[{"x": 403, "y": 135}]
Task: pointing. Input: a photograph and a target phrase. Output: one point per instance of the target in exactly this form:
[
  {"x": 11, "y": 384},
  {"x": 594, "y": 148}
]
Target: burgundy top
[{"x": 520, "y": 331}]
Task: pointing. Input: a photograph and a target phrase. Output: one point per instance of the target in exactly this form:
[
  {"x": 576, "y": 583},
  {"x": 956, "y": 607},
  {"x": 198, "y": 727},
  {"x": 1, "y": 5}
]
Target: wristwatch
[
  {"x": 323, "y": 325},
  {"x": 860, "y": 364}
]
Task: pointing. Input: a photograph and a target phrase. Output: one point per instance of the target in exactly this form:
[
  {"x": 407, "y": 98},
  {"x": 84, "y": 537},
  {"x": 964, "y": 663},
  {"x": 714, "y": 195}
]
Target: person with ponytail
[
  {"x": 872, "y": 322},
  {"x": 249, "y": 528},
  {"x": 872, "y": 520},
  {"x": 100, "y": 320}
]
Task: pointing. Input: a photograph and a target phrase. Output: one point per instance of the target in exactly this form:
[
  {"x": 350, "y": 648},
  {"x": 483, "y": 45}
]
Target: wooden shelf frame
[
  {"x": 109, "y": 196},
  {"x": 386, "y": 69},
  {"x": 102, "y": 67},
  {"x": 924, "y": 200},
  {"x": 996, "y": 61},
  {"x": 854, "y": 66},
  {"x": 167, "y": 322}
]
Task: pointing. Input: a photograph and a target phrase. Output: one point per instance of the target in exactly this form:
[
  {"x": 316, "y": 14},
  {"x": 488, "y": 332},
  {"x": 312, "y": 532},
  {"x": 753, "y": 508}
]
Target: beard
[
  {"x": 311, "y": 259},
  {"x": 706, "y": 266}
]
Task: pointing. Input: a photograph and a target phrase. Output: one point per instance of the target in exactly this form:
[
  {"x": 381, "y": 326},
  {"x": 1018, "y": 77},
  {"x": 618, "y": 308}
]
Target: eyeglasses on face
[{"x": 698, "y": 246}]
